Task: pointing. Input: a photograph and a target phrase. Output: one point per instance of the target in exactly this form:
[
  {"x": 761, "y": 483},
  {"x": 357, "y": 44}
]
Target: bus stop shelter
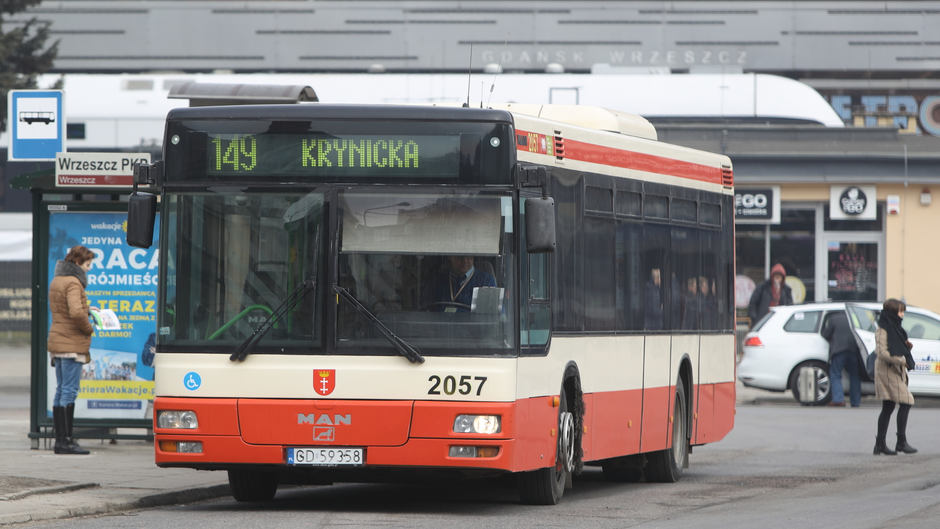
[
  {"x": 116, "y": 394},
  {"x": 83, "y": 201}
]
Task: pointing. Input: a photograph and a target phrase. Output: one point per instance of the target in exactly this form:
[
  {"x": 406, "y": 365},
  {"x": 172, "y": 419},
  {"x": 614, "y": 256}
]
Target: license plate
[{"x": 328, "y": 457}]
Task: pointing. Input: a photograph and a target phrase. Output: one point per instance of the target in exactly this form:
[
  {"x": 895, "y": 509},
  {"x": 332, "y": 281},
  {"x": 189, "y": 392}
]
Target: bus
[{"x": 358, "y": 293}]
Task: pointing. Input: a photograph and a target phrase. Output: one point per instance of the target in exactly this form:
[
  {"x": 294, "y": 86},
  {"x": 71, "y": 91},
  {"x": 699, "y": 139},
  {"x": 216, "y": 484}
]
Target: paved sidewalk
[{"x": 39, "y": 485}]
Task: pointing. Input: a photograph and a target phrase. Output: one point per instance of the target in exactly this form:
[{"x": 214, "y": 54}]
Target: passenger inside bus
[
  {"x": 653, "y": 313},
  {"x": 451, "y": 289},
  {"x": 690, "y": 311}
]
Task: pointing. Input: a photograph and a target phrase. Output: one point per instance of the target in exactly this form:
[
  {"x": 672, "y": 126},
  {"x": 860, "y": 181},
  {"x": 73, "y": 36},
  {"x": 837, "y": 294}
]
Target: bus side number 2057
[{"x": 450, "y": 385}]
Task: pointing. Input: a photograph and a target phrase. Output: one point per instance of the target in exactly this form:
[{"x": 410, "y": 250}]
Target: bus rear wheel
[
  {"x": 252, "y": 485},
  {"x": 665, "y": 466},
  {"x": 546, "y": 486}
]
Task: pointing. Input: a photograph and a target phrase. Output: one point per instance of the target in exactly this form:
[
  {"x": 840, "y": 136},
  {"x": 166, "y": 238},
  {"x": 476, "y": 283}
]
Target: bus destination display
[{"x": 354, "y": 156}]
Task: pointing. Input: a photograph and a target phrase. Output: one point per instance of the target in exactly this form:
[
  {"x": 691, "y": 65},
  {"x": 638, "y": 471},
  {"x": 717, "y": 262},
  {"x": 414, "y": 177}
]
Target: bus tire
[
  {"x": 546, "y": 486},
  {"x": 252, "y": 485},
  {"x": 665, "y": 466}
]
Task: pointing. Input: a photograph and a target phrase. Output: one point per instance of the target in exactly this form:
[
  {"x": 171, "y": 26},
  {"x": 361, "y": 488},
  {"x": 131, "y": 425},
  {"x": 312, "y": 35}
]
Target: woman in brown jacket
[
  {"x": 894, "y": 360},
  {"x": 69, "y": 341}
]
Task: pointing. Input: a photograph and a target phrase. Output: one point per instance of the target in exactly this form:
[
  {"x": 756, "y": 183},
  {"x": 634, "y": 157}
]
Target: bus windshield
[
  {"x": 232, "y": 259},
  {"x": 434, "y": 268}
]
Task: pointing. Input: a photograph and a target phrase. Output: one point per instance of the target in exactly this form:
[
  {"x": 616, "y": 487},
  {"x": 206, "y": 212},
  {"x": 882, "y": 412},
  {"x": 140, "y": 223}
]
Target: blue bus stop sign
[{"x": 36, "y": 122}]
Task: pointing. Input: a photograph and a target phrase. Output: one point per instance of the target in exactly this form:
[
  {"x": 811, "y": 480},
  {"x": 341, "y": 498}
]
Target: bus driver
[{"x": 452, "y": 289}]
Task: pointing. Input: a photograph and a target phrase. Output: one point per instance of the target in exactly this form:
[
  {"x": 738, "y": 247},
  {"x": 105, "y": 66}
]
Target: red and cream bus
[{"x": 359, "y": 293}]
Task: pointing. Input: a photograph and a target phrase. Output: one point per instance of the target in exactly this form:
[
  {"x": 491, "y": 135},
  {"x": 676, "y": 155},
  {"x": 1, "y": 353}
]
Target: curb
[
  {"x": 48, "y": 490},
  {"x": 185, "y": 496},
  {"x": 153, "y": 500}
]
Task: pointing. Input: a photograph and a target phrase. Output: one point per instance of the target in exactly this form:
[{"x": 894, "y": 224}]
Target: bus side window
[{"x": 656, "y": 252}]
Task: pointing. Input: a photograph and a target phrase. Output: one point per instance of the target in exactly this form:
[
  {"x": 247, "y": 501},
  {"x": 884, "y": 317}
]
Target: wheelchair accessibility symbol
[{"x": 192, "y": 381}]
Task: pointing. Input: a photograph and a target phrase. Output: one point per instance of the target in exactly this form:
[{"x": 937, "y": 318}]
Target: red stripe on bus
[
  {"x": 703, "y": 429},
  {"x": 657, "y": 407},
  {"x": 613, "y": 419},
  {"x": 725, "y": 394},
  {"x": 610, "y": 156}
]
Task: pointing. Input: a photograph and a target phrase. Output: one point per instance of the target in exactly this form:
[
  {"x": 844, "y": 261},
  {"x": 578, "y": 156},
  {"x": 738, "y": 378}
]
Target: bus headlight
[
  {"x": 473, "y": 451},
  {"x": 486, "y": 424},
  {"x": 177, "y": 419}
]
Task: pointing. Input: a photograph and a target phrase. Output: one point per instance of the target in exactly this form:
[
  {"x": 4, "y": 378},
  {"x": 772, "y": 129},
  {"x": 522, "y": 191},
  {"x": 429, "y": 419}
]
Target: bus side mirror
[
  {"x": 141, "y": 215},
  {"x": 540, "y": 225}
]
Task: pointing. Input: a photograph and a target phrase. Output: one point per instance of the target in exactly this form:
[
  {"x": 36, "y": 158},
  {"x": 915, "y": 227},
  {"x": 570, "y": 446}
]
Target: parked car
[{"x": 788, "y": 339}]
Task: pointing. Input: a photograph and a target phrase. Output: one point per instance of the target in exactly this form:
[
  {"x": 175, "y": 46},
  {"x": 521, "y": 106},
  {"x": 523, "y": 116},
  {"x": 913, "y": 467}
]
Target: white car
[{"x": 788, "y": 338}]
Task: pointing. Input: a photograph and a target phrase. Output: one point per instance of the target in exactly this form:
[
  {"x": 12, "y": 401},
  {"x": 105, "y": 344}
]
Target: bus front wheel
[
  {"x": 252, "y": 485},
  {"x": 546, "y": 486},
  {"x": 665, "y": 466}
]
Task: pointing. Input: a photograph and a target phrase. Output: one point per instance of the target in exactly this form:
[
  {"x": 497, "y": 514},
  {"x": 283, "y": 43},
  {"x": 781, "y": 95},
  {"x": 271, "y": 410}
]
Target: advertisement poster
[{"x": 118, "y": 382}]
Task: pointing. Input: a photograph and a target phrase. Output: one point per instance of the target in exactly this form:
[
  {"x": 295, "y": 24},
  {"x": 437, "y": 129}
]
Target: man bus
[{"x": 295, "y": 339}]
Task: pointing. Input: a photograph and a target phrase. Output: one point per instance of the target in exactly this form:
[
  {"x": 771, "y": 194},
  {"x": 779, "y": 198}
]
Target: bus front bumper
[{"x": 424, "y": 438}]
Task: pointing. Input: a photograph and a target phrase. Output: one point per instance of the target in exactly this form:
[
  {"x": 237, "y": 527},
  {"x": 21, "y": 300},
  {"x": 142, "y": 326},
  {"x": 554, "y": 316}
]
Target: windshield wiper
[
  {"x": 406, "y": 349},
  {"x": 292, "y": 299}
]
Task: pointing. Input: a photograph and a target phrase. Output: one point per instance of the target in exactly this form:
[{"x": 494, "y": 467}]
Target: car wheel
[{"x": 823, "y": 386}]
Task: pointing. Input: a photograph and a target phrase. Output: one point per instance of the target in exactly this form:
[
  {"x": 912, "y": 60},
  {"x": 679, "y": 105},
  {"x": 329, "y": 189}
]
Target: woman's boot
[
  {"x": 72, "y": 445},
  {"x": 58, "y": 421},
  {"x": 903, "y": 446},
  {"x": 882, "y": 448}
]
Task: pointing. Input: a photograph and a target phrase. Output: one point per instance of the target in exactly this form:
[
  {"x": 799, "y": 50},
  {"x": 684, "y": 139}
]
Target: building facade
[{"x": 847, "y": 211}]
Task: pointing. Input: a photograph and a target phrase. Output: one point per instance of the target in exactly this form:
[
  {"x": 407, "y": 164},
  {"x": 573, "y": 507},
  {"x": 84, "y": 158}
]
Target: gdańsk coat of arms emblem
[{"x": 324, "y": 380}]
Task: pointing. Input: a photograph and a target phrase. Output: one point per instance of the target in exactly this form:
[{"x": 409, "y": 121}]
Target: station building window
[{"x": 825, "y": 258}]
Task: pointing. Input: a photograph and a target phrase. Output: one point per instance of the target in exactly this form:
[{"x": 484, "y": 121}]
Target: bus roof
[{"x": 330, "y": 111}]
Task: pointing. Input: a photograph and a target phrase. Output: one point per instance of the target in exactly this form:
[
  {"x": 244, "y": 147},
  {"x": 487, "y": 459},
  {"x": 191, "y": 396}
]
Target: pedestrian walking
[
  {"x": 843, "y": 353},
  {"x": 893, "y": 361},
  {"x": 69, "y": 341},
  {"x": 770, "y": 293}
]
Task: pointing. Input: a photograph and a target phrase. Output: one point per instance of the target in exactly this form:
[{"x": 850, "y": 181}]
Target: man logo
[
  {"x": 324, "y": 419},
  {"x": 324, "y": 434},
  {"x": 324, "y": 380}
]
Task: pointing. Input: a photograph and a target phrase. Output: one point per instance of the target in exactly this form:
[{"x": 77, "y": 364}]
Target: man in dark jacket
[
  {"x": 770, "y": 293},
  {"x": 843, "y": 352}
]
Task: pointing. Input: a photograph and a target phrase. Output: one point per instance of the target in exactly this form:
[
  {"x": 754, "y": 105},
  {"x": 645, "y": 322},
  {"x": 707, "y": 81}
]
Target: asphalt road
[{"x": 782, "y": 466}]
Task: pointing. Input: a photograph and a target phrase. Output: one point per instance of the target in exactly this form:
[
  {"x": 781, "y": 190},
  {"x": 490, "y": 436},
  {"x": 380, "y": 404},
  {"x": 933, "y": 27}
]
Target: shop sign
[
  {"x": 853, "y": 203},
  {"x": 757, "y": 205}
]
